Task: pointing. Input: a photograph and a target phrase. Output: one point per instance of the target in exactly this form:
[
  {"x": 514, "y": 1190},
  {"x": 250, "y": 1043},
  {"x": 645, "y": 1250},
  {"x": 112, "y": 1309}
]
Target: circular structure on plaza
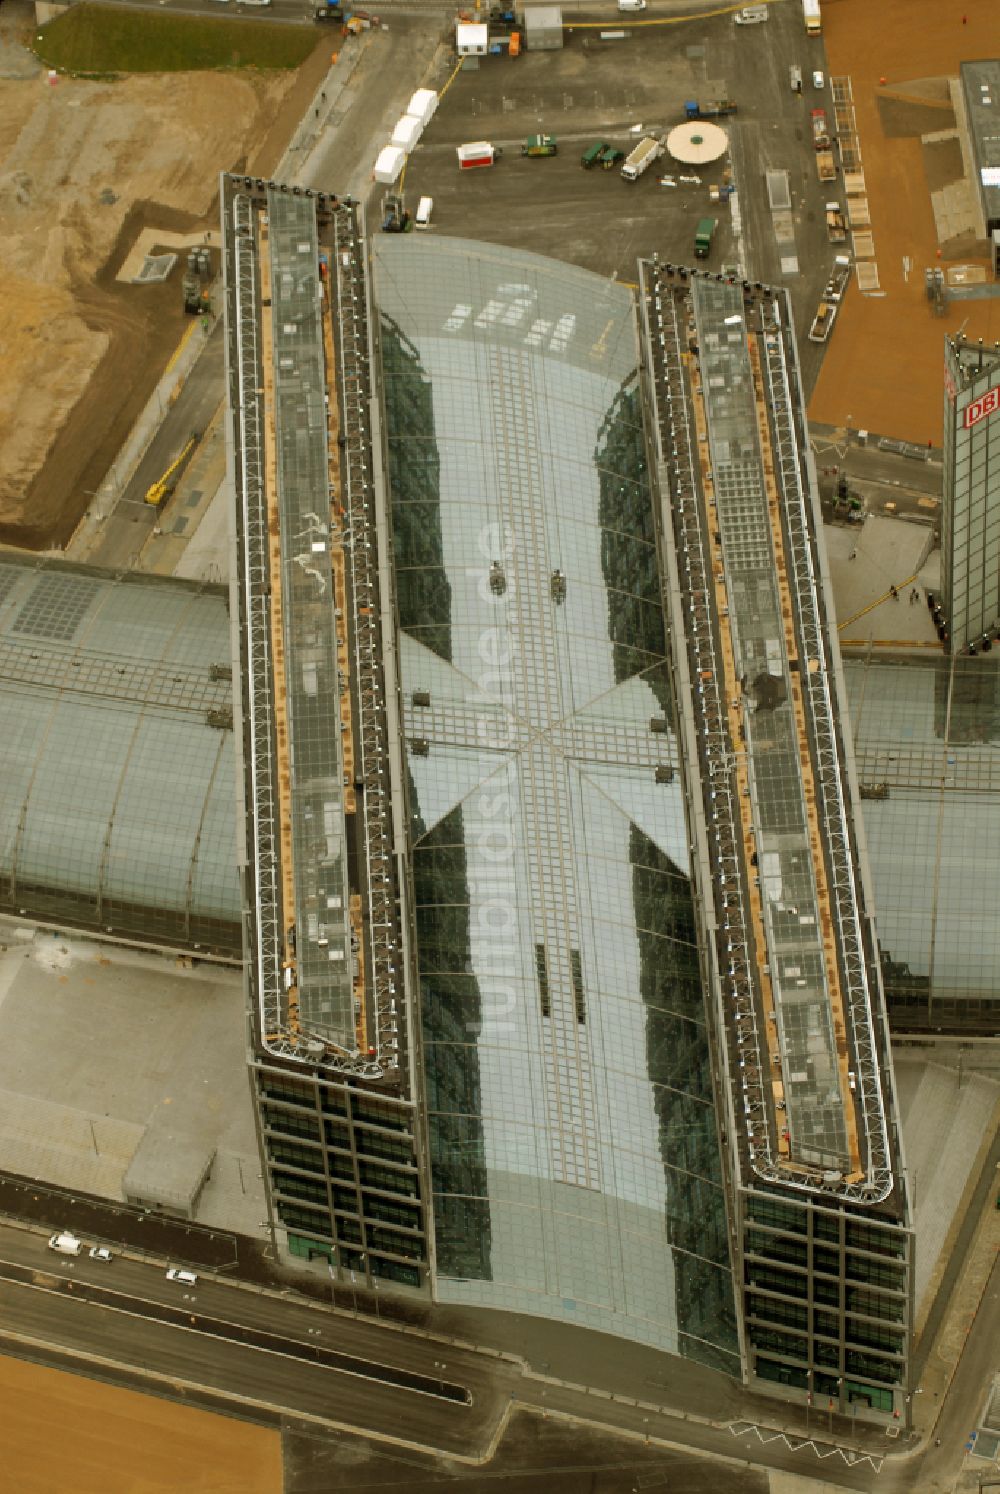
[{"x": 697, "y": 142}]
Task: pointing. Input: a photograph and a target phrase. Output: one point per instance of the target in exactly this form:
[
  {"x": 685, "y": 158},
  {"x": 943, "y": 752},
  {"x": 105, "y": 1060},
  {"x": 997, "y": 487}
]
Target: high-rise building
[
  {"x": 563, "y": 986},
  {"x": 790, "y": 961},
  {"x": 970, "y": 514}
]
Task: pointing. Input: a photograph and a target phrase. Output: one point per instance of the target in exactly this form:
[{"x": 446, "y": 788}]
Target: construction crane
[{"x": 158, "y": 492}]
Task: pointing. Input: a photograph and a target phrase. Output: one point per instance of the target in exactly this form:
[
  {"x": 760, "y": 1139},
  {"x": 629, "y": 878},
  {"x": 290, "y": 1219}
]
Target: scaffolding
[
  {"x": 382, "y": 927},
  {"x": 256, "y": 609}
]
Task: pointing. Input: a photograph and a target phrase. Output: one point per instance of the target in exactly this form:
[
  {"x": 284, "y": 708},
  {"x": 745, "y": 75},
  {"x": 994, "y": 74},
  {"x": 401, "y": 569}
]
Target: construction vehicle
[
  {"x": 195, "y": 285},
  {"x": 826, "y": 166},
  {"x": 934, "y": 289},
  {"x": 648, "y": 150},
  {"x": 158, "y": 492},
  {"x": 539, "y": 145},
  {"x": 395, "y": 217},
  {"x": 703, "y": 237},
  {"x": 357, "y": 21},
  {"x": 477, "y": 153},
  {"x": 826, "y": 313},
  {"x": 836, "y": 225},
  {"x": 839, "y": 277},
  {"x": 821, "y": 137},
  {"x": 717, "y": 109},
  {"x": 593, "y": 155},
  {"x": 610, "y": 156},
  {"x": 811, "y": 16}
]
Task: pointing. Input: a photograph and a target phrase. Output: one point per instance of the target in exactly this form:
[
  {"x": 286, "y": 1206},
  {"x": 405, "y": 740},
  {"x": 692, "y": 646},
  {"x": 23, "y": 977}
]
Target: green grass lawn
[{"x": 93, "y": 40}]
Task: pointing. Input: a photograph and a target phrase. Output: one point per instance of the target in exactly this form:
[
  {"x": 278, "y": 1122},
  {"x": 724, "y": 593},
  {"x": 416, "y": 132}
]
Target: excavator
[{"x": 158, "y": 492}]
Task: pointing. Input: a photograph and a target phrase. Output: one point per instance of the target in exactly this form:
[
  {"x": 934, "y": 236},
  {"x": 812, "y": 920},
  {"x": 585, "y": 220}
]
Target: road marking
[{"x": 181, "y": 346}]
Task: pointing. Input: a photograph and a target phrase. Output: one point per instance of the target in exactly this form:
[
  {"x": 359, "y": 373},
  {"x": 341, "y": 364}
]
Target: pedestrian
[
  {"x": 854, "y": 554},
  {"x": 913, "y": 596},
  {"x": 965, "y": 20},
  {"x": 894, "y": 593}
]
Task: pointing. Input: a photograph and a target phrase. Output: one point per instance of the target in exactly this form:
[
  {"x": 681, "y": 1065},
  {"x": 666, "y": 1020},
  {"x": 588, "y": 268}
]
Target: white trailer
[
  {"x": 476, "y": 153},
  {"x": 646, "y": 152}
]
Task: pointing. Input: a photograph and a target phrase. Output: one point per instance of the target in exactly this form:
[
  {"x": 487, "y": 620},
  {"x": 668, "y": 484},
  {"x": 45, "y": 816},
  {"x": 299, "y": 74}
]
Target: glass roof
[
  {"x": 117, "y": 792},
  {"x": 574, "y": 1155},
  {"x": 927, "y": 734}
]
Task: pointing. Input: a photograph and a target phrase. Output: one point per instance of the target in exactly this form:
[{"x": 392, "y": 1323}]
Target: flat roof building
[
  {"x": 981, "y": 94},
  {"x": 785, "y": 920}
]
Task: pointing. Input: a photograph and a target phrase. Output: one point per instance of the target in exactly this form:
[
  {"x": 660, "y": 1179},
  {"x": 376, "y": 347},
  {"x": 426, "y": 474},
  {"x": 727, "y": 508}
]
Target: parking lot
[{"x": 597, "y": 89}]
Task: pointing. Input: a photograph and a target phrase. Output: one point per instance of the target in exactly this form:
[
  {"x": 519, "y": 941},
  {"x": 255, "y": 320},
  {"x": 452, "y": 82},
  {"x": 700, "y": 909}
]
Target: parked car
[
  {"x": 187, "y": 1278},
  {"x": 100, "y": 1253},
  {"x": 818, "y": 80},
  {"x": 751, "y": 15}
]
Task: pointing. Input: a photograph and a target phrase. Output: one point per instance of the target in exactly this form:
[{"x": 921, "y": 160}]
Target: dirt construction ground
[
  {"x": 67, "y": 1432},
  {"x": 882, "y": 370},
  {"x": 84, "y": 166}
]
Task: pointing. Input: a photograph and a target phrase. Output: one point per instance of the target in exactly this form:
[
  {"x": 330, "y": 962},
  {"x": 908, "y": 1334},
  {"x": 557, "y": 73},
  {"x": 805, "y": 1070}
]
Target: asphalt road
[
  {"x": 131, "y": 519},
  {"x": 205, "y": 1346}
]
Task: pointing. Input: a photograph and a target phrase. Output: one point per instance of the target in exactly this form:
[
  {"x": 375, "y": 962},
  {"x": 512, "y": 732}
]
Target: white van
[
  {"x": 424, "y": 209},
  {"x": 627, "y": 5},
  {"x": 751, "y": 15},
  {"x": 187, "y": 1277},
  {"x": 66, "y": 1244}
]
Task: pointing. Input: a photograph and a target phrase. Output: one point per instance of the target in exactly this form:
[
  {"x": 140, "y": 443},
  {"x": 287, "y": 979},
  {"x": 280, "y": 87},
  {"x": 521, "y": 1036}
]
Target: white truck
[
  {"x": 811, "y": 16},
  {"x": 648, "y": 150}
]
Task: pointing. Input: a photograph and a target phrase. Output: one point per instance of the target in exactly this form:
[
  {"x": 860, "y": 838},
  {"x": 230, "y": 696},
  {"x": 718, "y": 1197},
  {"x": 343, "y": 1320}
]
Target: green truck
[
  {"x": 703, "y": 237},
  {"x": 539, "y": 145},
  {"x": 601, "y": 154}
]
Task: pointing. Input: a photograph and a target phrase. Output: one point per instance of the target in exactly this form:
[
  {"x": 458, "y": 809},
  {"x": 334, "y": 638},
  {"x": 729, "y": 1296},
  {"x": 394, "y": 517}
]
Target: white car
[
  {"x": 100, "y": 1253},
  {"x": 751, "y": 15},
  {"x": 627, "y": 5},
  {"x": 818, "y": 80},
  {"x": 187, "y": 1277}
]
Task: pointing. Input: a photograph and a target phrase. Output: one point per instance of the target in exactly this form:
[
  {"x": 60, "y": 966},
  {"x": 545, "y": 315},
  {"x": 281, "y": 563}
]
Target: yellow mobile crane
[{"x": 159, "y": 491}]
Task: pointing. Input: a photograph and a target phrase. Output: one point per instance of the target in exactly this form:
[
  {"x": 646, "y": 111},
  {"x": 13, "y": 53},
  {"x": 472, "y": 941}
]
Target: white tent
[
  {"x": 407, "y": 132},
  {"x": 389, "y": 163},
  {"x": 422, "y": 104}
]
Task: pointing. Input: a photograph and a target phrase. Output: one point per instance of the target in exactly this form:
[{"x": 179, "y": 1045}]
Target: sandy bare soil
[
  {"x": 79, "y": 163},
  {"x": 63, "y": 1431},
  {"x": 883, "y": 368}
]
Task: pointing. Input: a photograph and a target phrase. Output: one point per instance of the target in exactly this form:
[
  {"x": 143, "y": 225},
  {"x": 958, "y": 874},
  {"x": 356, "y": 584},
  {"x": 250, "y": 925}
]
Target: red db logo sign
[{"x": 980, "y": 408}]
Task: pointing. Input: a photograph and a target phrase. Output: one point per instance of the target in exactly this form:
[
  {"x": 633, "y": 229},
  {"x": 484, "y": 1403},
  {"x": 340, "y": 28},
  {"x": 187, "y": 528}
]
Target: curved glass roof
[
  {"x": 116, "y": 800},
  {"x": 574, "y": 1154}
]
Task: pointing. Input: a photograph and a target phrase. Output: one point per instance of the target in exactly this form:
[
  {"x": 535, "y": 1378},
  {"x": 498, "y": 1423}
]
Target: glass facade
[
  {"x": 344, "y": 1180},
  {"x": 926, "y": 733},
  {"x": 826, "y": 1297},
  {"x": 116, "y": 799},
  {"x": 970, "y": 513},
  {"x": 573, "y": 1147}
]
